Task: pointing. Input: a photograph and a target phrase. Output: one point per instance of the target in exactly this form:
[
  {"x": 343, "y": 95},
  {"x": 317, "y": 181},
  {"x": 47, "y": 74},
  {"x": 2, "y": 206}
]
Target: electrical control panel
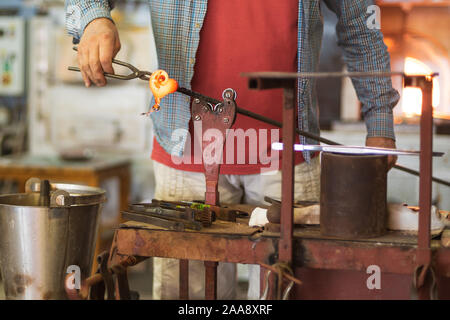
[{"x": 12, "y": 56}]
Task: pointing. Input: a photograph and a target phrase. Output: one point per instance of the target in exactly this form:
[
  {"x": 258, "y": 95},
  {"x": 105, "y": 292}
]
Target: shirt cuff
[
  {"x": 380, "y": 123},
  {"x": 101, "y": 10}
]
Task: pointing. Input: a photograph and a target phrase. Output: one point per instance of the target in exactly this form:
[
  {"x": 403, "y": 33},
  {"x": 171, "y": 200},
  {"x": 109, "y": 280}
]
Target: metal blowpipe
[{"x": 353, "y": 150}]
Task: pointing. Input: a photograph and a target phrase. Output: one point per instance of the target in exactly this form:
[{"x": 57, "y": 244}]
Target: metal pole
[
  {"x": 184, "y": 279},
  {"x": 426, "y": 147},
  {"x": 425, "y": 188},
  {"x": 287, "y": 187},
  {"x": 211, "y": 280}
]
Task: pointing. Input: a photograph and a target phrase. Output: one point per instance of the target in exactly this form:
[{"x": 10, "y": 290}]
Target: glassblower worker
[{"x": 205, "y": 45}]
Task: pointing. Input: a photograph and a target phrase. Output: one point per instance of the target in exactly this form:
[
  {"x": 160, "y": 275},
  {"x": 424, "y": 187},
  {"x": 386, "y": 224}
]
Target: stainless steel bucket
[{"x": 38, "y": 244}]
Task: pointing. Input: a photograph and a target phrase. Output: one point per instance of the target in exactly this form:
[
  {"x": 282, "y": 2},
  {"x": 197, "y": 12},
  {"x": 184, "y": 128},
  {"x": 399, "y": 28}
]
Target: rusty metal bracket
[
  {"x": 120, "y": 270},
  {"x": 265, "y": 294},
  {"x": 282, "y": 270},
  {"x": 98, "y": 289},
  {"x": 108, "y": 281},
  {"x": 103, "y": 279},
  {"x": 219, "y": 117},
  {"x": 424, "y": 283}
]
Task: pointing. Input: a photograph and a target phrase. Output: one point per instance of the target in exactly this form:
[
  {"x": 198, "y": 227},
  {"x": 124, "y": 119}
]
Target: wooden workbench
[
  {"x": 329, "y": 268},
  {"x": 90, "y": 172}
]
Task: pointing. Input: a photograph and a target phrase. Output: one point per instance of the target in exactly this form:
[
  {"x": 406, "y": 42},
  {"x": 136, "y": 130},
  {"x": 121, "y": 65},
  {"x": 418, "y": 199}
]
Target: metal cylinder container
[
  {"x": 39, "y": 243},
  {"x": 353, "y": 196}
]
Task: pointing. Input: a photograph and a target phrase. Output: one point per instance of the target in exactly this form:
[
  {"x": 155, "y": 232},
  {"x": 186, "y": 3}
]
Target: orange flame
[{"x": 412, "y": 97}]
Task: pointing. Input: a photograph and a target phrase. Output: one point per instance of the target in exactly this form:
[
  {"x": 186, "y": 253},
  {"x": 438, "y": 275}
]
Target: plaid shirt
[{"x": 177, "y": 24}]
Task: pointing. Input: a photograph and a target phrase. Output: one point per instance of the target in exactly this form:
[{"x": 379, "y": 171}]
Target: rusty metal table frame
[
  {"x": 287, "y": 81},
  {"x": 213, "y": 248},
  {"x": 309, "y": 252}
]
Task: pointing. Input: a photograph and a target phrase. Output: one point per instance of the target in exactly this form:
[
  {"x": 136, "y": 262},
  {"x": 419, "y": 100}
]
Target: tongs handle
[
  {"x": 136, "y": 73},
  {"x": 106, "y": 74}
]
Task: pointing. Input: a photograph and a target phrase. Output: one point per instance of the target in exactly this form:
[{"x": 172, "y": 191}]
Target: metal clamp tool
[{"x": 220, "y": 116}]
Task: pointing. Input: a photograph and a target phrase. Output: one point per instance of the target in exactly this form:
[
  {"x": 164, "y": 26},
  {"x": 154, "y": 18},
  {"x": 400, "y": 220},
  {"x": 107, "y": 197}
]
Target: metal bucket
[
  {"x": 38, "y": 243},
  {"x": 353, "y": 196}
]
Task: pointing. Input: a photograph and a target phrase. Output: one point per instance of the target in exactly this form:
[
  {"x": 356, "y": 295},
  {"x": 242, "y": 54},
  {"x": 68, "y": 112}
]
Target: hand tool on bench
[
  {"x": 305, "y": 212},
  {"x": 168, "y": 209},
  {"x": 145, "y": 75},
  {"x": 156, "y": 221},
  {"x": 165, "y": 218},
  {"x": 221, "y": 212}
]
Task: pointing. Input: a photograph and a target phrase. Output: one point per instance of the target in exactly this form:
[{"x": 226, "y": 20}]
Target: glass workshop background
[{"x": 45, "y": 109}]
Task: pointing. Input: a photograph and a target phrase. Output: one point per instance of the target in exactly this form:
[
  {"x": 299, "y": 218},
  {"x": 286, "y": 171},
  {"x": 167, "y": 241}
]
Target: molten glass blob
[{"x": 161, "y": 85}]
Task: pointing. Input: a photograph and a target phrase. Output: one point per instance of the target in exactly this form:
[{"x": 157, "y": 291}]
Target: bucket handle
[
  {"x": 60, "y": 199},
  {"x": 33, "y": 185}
]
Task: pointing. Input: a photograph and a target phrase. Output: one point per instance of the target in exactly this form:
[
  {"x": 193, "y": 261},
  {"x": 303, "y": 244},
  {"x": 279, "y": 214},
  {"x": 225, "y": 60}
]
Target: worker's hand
[
  {"x": 382, "y": 142},
  {"x": 98, "y": 46}
]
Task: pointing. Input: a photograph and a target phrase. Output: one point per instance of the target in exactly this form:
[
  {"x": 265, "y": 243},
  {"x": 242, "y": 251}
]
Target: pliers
[{"x": 136, "y": 73}]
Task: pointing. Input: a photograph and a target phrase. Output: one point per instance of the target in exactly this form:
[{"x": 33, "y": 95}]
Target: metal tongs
[{"x": 136, "y": 73}]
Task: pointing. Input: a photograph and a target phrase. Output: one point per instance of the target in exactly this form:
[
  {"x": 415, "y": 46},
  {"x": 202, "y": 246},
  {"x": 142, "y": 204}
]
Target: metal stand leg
[
  {"x": 287, "y": 188},
  {"x": 423, "y": 257},
  {"x": 211, "y": 280},
  {"x": 118, "y": 264},
  {"x": 184, "y": 279},
  {"x": 425, "y": 189}
]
